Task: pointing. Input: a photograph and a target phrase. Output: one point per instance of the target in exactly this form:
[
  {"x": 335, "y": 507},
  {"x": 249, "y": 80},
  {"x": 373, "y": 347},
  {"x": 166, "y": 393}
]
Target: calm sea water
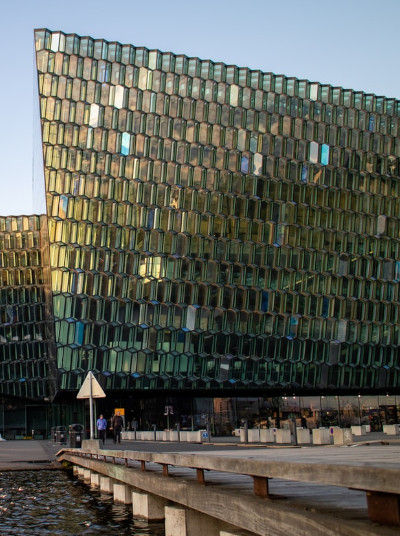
[{"x": 39, "y": 503}]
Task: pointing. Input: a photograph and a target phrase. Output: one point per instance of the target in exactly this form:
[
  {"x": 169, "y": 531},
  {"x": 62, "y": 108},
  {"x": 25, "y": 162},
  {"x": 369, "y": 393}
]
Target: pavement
[{"x": 26, "y": 455}]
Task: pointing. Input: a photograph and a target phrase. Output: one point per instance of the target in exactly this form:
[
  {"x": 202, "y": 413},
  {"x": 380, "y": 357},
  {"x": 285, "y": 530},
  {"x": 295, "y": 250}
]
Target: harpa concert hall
[{"x": 217, "y": 239}]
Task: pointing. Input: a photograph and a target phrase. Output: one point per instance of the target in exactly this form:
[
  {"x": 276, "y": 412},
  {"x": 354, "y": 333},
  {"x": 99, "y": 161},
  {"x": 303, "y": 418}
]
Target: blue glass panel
[
  {"x": 63, "y": 206},
  {"x": 264, "y": 301},
  {"x": 79, "y": 331},
  {"x": 324, "y": 154},
  {"x": 244, "y": 166},
  {"x": 371, "y": 123},
  {"x": 294, "y": 323},
  {"x": 125, "y": 143},
  {"x": 304, "y": 173},
  {"x": 325, "y": 307}
]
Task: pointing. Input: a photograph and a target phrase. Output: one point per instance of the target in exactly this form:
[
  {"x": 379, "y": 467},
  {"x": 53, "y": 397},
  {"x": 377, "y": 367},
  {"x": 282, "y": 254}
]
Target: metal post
[
  {"x": 208, "y": 429},
  {"x": 91, "y": 408},
  {"x": 246, "y": 430},
  {"x": 294, "y": 431}
]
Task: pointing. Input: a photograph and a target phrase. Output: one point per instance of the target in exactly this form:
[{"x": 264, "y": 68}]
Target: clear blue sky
[{"x": 351, "y": 43}]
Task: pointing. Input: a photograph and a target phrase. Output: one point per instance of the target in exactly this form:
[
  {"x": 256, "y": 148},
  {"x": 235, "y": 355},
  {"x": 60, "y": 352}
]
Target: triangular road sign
[{"x": 97, "y": 391}]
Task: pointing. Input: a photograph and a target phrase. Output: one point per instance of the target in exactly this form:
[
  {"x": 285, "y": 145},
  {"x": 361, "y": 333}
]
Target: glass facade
[
  {"x": 217, "y": 228},
  {"x": 26, "y": 338}
]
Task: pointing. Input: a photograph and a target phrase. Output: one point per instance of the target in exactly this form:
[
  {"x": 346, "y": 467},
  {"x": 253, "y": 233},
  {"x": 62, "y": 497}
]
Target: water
[{"x": 39, "y": 503}]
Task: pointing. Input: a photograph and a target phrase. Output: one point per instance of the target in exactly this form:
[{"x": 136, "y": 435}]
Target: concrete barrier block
[
  {"x": 173, "y": 435},
  {"x": 391, "y": 429},
  {"x": 122, "y": 493},
  {"x": 93, "y": 445},
  {"x": 242, "y": 435},
  {"x": 267, "y": 435},
  {"x": 106, "y": 484},
  {"x": 283, "y": 436},
  {"x": 254, "y": 435},
  {"x": 303, "y": 436},
  {"x": 321, "y": 436},
  {"x": 358, "y": 430},
  {"x": 95, "y": 480},
  {"x": 342, "y": 436},
  {"x": 148, "y": 506},
  {"x": 183, "y": 436}
]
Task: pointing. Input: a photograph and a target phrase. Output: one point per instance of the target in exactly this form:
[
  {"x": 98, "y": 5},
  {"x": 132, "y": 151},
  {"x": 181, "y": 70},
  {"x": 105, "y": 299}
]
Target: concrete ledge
[{"x": 355, "y": 476}]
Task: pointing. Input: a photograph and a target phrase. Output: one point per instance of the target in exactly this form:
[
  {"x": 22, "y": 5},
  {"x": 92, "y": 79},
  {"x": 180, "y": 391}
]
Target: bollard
[{"x": 155, "y": 432}]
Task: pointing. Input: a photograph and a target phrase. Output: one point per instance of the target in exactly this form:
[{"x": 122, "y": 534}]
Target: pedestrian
[
  {"x": 102, "y": 428},
  {"x": 117, "y": 423}
]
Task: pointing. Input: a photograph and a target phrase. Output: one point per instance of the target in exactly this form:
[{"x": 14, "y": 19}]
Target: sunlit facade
[
  {"x": 213, "y": 228},
  {"x": 26, "y": 337}
]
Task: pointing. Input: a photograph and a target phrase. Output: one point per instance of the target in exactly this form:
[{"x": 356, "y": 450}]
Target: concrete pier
[{"x": 326, "y": 490}]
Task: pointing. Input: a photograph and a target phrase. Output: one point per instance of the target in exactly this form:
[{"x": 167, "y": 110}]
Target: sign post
[
  {"x": 91, "y": 389},
  {"x": 169, "y": 410}
]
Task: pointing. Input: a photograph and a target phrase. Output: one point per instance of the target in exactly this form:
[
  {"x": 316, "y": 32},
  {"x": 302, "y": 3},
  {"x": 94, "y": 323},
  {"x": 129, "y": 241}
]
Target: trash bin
[
  {"x": 75, "y": 435},
  {"x": 61, "y": 434}
]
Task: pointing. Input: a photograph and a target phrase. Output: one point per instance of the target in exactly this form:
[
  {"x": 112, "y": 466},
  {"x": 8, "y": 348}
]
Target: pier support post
[
  {"x": 75, "y": 470},
  {"x": 183, "y": 522},
  {"x": 148, "y": 506},
  {"x": 106, "y": 484},
  {"x": 383, "y": 507},
  {"x": 95, "y": 480},
  {"x": 87, "y": 475},
  {"x": 122, "y": 493},
  {"x": 80, "y": 471}
]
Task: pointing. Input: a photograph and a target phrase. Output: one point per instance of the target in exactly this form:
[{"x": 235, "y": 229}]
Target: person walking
[
  {"x": 102, "y": 428},
  {"x": 117, "y": 423}
]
